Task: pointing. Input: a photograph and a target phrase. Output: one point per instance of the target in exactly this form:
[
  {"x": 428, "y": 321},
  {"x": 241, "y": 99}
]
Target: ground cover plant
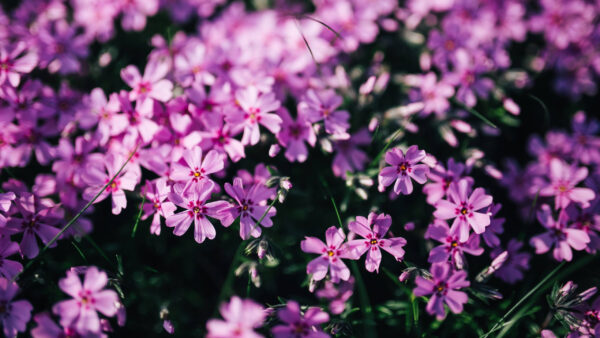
[{"x": 326, "y": 168}]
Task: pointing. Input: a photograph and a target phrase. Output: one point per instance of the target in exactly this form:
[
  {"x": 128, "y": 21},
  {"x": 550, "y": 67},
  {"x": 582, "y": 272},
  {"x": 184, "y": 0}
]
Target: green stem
[{"x": 137, "y": 221}]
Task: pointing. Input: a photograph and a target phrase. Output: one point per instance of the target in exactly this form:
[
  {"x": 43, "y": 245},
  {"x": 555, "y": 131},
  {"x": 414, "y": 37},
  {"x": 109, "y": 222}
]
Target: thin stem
[
  {"x": 365, "y": 305},
  {"x": 137, "y": 221},
  {"x": 74, "y": 219}
]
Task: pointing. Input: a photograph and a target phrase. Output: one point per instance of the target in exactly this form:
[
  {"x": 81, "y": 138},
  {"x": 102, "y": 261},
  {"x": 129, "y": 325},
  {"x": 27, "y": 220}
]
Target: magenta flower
[
  {"x": 559, "y": 235},
  {"x": 242, "y": 317},
  {"x": 250, "y": 205},
  {"x": 197, "y": 169},
  {"x": 586, "y": 143},
  {"x": 298, "y": 324},
  {"x": 197, "y": 210},
  {"x": 490, "y": 236},
  {"x": 331, "y": 255},
  {"x": 403, "y": 169},
  {"x": 294, "y": 134},
  {"x": 443, "y": 287},
  {"x": 36, "y": 220},
  {"x": 563, "y": 179},
  {"x": 255, "y": 108},
  {"x": 88, "y": 298},
  {"x": 13, "y": 64},
  {"x": 97, "y": 178},
  {"x": 451, "y": 247},
  {"x": 373, "y": 230},
  {"x": 219, "y": 136},
  {"x": 156, "y": 203},
  {"x": 349, "y": 157},
  {"x": 13, "y": 314},
  {"x": 464, "y": 209},
  {"x": 151, "y": 85},
  {"x": 321, "y": 106}
]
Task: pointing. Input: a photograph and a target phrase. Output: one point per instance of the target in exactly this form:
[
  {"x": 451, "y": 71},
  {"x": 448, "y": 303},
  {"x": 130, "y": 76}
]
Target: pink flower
[
  {"x": 331, "y": 255},
  {"x": 464, "y": 209},
  {"x": 373, "y": 230},
  {"x": 294, "y": 134},
  {"x": 403, "y": 169},
  {"x": 451, "y": 247},
  {"x": 242, "y": 317},
  {"x": 81, "y": 311},
  {"x": 298, "y": 324},
  {"x": 321, "y": 106},
  {"x": 12, "y": 66},
  {"x": 14, "y": 314},
  {"x": 255, "y": 108},
  {"x": 197, "y": 169},
  {"x": 563, "y": 179},
  {"x": 151, "y": 85},
  {"x": 250, "y": 206},
  {"x": 517, "y": 262},
  {"x": 156, "y": 204},
  {"x": 435, "y": 94},
  {"x": 97, "y": 178},
  {"x": 444, "y": 289},
  {"x": 197, "y": 210},
  {"x": 559, "y": 236},
  {"x": 139, "y": 118}
]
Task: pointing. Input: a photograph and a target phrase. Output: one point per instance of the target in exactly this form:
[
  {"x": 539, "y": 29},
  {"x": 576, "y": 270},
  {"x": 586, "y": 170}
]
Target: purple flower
[
  {"x": 13, "y": 64},
  {"x": 9, "y": 268},
  {"x": 559, "y": 235},
  {"x": 89, "y": 297},
  {"x": 373, "y": 230},
  {"x": 321, "y": 106},
  {"x": 13, "y": 314},
  {"x": 298, "y": 324},
  {"x": 151, "y": 85},
  {"x": 517, "y": 262},
  {"x": 464, "y": 209},
  {"x": 331, "y": 255},
  {"x": 36, "y": 220},
  {"x": 47, "y": 328},
  {"x": 197, "y": 210},
  {"x": 451, "y": 247},
  {"x": 348, "y": 157},
  {"x": 255, "y": 108},
  {"x": 441, "y": 179},
  {"x": 490, "y": 236},
  {"x": 250, "y": 206},
  {"x": 444, "y": 289},
  {"x": 563, "y": 179},
  {"x": 5, "y": 203},
  {"x": 586, "y": 143},
  {"x": 241, "y": 316},
  {"x": 402, "y": 169},
  {"x": 337, "y": 296},
  {"x": 434, "y": 94}
]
